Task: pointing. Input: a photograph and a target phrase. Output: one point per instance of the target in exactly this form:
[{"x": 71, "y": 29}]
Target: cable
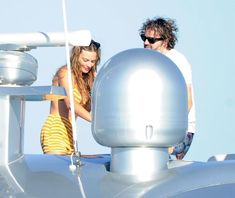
[
  {"x": 70, "y": 79},
  {"x": 81, "y": 187},
  {"x": 72, "y": 166}
]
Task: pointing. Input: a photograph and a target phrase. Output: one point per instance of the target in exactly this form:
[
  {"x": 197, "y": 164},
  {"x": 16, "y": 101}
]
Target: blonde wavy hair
[{"x": 84, "y": 81}]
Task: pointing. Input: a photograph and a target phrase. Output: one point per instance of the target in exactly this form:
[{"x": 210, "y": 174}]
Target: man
[{"x": 160, "y": 34}]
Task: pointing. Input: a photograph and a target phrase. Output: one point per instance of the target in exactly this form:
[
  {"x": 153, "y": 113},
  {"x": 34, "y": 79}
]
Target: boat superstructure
[{"x": 139, "y": 109}]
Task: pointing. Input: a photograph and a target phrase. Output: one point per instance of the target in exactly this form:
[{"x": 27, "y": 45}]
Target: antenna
[
  {"x": 77, "y": 153},
  {"x": 70, "y": 79}
]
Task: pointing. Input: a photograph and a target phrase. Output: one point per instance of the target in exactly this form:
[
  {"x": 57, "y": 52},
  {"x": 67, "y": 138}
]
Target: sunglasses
[
  {"x": 96, "y": 44},
  {"x": 151, "y": 40}
]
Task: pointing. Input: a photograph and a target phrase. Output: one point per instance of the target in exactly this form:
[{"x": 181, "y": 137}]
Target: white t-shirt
[{"x": 185, "y": 68}]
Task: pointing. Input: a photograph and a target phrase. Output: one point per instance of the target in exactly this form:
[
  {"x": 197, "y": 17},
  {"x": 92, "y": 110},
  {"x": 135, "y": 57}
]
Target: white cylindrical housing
[
  {"x": 139, "y": 108},
  {"x": 17, "y": 68}
]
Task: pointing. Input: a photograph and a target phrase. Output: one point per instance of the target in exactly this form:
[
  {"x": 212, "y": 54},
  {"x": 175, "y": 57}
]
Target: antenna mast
[{"x": 70, "y": 80}]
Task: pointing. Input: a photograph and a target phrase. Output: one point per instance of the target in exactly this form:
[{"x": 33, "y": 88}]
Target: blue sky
[{"x": 206, "y": 37}]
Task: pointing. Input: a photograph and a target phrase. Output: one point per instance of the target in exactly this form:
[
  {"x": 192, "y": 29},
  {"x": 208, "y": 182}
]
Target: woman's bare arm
[{"x": 79, "y": 109}]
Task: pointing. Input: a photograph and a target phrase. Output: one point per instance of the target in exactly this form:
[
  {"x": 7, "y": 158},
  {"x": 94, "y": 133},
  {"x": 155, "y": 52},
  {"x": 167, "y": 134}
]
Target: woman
[{"x": 56, "y": 133}]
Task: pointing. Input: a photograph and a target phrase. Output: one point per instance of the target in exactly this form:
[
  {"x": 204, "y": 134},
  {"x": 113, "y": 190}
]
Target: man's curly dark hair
[{"x": 166, "y": 28}]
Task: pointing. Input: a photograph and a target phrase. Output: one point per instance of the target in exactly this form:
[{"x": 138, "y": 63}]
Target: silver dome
[
  {"x": 139, "y": 98},
  {"x": 17, "y": 68}
]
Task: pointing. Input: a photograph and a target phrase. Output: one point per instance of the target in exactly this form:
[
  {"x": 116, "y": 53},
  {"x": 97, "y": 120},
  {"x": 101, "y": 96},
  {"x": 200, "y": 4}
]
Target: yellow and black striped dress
[{"x": 56, "y": 133}]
